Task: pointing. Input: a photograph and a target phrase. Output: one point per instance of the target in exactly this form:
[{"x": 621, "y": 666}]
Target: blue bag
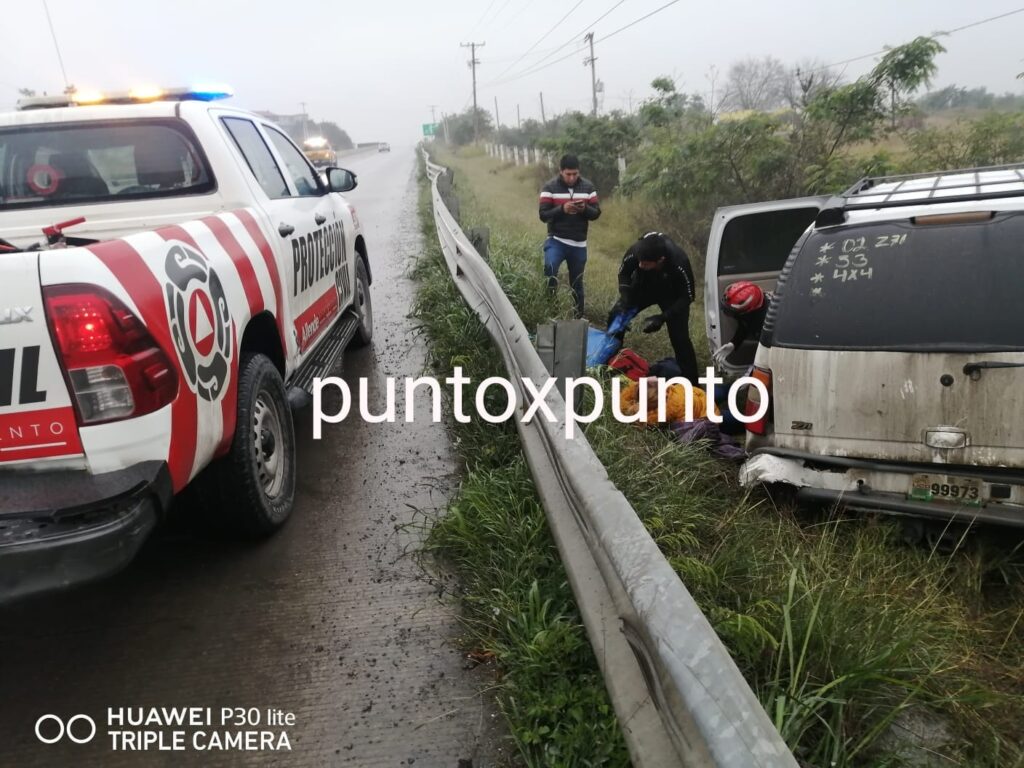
[{"x": 602, "y": 345}]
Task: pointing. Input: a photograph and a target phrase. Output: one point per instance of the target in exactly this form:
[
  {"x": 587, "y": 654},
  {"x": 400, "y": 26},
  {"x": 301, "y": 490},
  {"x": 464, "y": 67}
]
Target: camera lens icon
[{"x": 81, "y": 729}]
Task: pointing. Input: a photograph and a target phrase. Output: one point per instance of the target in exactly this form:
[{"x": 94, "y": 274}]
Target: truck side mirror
[{"x": 341, "y": 180}]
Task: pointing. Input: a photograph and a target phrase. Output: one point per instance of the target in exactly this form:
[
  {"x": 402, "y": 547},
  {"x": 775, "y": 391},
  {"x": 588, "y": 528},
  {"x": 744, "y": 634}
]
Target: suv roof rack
[{"x": 963, "y": 185}]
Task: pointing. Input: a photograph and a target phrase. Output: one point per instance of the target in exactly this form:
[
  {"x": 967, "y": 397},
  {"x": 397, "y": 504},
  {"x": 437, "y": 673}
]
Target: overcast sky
[{"x": 376, "y": 66}]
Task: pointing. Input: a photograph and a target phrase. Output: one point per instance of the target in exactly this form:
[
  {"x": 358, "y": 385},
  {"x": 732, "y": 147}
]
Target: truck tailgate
[{"x": 37, "y": 420}]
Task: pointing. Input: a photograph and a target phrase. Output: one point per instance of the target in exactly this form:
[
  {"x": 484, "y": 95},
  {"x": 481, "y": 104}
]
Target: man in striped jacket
[{"x": 568, "y": 203}]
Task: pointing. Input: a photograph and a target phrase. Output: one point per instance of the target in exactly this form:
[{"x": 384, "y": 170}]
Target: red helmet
[{"x": 742, "y": 297}]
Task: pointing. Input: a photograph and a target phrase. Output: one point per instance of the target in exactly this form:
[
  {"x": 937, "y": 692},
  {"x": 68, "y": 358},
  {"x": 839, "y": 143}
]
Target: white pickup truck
[{"x": 200, "y": 275}]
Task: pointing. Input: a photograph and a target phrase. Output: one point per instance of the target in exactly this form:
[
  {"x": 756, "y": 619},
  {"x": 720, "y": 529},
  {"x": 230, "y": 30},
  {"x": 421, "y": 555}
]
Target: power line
[
  {"x": 541, "y": 40},
  {"x": 634, "y": 23},
  {"x": 60, "y": 58},
  {"x": 584, "y": 47},
  {"x": 522, "y": 8},
  {"x": 935, "y": 34},
  {"x": 578, "y": 34},
  {"x": 491, "y": 5},
  {"x": 499, "y": 11}
]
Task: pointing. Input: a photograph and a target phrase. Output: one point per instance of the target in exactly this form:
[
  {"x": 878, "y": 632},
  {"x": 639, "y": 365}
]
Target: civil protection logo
[{"x": 200, "y": 323}]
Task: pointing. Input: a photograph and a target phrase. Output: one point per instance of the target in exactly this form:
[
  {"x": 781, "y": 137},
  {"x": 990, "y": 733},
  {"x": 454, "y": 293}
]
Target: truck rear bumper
[
  {"x": 63, "y": 528},
  {"x": 875, "y": 486}
]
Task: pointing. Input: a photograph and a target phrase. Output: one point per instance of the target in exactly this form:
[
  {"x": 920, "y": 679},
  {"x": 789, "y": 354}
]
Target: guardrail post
[{"x": 562, "y": 347}]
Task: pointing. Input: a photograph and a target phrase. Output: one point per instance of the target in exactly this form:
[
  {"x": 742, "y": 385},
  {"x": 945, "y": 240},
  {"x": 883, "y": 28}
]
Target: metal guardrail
[{"x": 678, "y": 694}]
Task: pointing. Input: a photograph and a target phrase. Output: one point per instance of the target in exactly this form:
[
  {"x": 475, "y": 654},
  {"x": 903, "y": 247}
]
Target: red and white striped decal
[
  {"x": 253, "y": 228},
  {"x": 148, "y": 295},
  {"x": 196, "y": 436}
]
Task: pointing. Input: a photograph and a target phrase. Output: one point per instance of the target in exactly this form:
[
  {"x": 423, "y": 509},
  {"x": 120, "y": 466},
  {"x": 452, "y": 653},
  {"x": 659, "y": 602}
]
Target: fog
[{"x": 375, "y": 68}]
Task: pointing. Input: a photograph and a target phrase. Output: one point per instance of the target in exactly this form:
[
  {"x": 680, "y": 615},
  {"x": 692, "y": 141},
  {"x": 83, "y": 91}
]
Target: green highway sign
[{"x": 430, "y": 129}]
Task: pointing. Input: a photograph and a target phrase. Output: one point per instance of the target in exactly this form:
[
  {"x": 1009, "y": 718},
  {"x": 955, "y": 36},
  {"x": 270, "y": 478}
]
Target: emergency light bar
[{"x": 140, "y": 95}]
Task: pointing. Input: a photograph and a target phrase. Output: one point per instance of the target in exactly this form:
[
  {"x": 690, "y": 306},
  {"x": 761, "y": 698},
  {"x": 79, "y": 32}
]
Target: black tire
[
  {"x": 363, "y": 305},
  {"x": 255, "y": 482}
]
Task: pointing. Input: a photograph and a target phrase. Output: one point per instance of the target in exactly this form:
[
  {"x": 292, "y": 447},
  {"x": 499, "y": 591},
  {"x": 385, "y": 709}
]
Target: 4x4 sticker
[{"x": 200, "y": 323}]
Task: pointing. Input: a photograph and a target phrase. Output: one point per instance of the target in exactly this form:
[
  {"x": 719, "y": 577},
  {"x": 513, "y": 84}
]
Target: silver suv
[{"x": 893, "y": 350}]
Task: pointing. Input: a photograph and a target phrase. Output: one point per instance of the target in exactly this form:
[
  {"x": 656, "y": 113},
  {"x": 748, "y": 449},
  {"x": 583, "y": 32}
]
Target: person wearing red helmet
[{"x": 748, "y": 304}]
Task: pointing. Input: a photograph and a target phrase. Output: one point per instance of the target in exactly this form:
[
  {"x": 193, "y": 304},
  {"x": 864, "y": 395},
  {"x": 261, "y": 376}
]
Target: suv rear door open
[{"x": 750, "y": 242}]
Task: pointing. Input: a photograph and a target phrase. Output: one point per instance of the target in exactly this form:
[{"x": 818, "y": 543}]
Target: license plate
[{"x": 959, "y": 490}]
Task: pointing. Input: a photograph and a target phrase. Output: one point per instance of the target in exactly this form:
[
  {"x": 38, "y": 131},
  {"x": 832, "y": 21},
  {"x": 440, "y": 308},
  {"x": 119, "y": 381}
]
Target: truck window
[
  {"x": 904, "y": 287},
  {"x": 50, "y": 165},
  {"x": 256, "y": 153},
  {"x": 295, "y": 163},
  {"x": 761, "y": 242}
]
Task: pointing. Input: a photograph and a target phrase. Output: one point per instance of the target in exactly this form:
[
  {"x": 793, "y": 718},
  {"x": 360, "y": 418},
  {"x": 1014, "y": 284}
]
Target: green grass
[
  {"x": 839, "y": 626},
  {"x": 517, "y": 604}
]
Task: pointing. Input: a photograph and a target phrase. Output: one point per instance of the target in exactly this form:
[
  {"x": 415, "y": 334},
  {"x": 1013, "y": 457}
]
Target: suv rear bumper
[
  {"x": 877, "y": 486},
  {"x": 63, "y": 528}
]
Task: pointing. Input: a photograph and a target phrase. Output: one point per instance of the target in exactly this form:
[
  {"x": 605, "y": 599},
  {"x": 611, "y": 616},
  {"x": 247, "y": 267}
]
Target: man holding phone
[{"x": 568, "y": 203}]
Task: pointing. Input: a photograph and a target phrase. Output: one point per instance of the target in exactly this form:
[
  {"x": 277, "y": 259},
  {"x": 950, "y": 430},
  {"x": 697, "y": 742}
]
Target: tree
[
  {"x": 758, "y": 84},
  {"x": 597, "y": 142},
  {"x": 669, "y": 105},
  {"x": 807, "y": 80},
  {"x": 461, "y": 129},
  {"x": 335, "y": 134},
  {"x": 903, "y": 70}
]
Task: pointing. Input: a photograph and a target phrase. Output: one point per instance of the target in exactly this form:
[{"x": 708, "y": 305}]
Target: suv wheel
[
  {"x": 363, "y": 306},
  {"x": 255, "y": 481}
]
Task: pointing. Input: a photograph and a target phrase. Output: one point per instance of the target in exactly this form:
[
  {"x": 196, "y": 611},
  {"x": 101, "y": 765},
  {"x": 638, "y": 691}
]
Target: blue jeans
[{"x": 555, "y": 252}]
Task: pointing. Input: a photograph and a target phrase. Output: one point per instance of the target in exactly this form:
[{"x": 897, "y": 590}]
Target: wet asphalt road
[{"x": 332, "y": 619}]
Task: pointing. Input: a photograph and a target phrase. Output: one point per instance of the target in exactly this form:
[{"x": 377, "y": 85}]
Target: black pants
[{"x": 678, "y": 331}]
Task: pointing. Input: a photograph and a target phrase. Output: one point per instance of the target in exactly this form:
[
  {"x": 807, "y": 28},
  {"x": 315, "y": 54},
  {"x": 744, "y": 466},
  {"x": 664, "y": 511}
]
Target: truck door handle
[
  {"x": 285, "y": 229},
  {"x": 319, "y": 218}
]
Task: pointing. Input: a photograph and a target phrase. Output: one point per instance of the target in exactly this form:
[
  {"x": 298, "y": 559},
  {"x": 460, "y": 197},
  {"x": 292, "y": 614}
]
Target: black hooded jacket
[{"x": 673, "y": 284}]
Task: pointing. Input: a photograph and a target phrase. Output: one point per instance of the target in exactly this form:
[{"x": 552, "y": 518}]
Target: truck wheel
[
  {"x": 363, "y": 306},
  {"x": 256, "y": 479}
]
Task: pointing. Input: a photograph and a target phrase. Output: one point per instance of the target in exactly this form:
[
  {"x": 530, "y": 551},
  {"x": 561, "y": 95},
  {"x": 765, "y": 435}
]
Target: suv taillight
[
  {"x": 114, "y": 367},
  {"x": 759, "y": 427}
]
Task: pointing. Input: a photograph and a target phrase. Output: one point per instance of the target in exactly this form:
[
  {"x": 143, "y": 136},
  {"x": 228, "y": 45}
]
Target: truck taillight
[
  {"x": 759, "y": 427},
  {"x": 113, "y": 365}
]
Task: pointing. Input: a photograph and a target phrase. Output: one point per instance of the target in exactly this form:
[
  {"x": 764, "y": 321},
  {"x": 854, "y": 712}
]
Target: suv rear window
[
  {"x": 761, "y": 242},
  {"x": 900, "y": 286},
  {"x": 49, "y": 165}
]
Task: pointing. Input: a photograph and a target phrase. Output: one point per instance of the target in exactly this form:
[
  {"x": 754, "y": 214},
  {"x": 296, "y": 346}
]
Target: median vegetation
[{"x": 863, "y": 648}]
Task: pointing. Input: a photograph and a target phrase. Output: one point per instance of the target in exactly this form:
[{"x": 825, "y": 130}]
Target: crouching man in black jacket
[
  {"x": 657, "y": 271},
  {"x": 568, "y": 203}
]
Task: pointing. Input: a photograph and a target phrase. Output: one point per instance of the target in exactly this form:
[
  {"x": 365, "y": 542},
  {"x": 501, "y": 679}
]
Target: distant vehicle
[
  {"x": 319, "y": 152},
  {"x": 383, "y": 147},
  {"x": 893, "y": 348}
]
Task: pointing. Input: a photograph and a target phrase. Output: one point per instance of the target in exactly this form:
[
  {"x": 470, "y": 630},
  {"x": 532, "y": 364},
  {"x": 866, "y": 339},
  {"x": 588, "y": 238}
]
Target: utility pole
[
  {"x": 589, "y": 37},
  {"x": 433, "y": 113},
  {"x": 519, "y": 120},
  {"x": 473, "y": 61},
  {"x": 447, "y": 139},
  {"x": 497, "y": 118},
  {"x": 305, "y": 121},
  {"x": 543, "y": 119}
]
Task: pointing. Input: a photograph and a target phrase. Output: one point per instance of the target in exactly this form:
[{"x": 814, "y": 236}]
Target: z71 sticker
[{"x": 200, "y": 324}]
